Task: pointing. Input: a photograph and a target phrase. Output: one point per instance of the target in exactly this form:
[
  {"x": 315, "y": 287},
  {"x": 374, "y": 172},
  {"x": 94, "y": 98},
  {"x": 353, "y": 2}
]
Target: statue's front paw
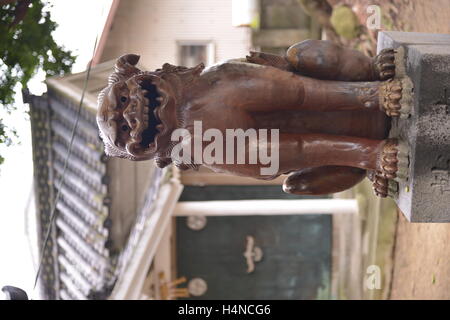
[
  {"x": 393, "y": 160},
  {"x": 390, "y": 96},
  {"x": 384, "y": 64}
]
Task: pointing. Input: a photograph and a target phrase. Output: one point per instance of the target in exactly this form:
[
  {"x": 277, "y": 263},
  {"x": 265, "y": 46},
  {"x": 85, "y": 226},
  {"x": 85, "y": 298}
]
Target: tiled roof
[
  {"x": 78, "y": 262},
  {"x": 82, "y": 259}
]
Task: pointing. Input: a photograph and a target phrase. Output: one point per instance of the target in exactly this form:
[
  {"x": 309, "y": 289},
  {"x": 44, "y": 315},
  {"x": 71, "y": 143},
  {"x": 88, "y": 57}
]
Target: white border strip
[{"x": 266, "y": 207}]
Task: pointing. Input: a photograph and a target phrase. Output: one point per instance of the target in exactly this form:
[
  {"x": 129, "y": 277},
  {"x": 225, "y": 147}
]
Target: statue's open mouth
[
  {"x": 154, "y": 126},
  {"x": 149, "y": 102}
]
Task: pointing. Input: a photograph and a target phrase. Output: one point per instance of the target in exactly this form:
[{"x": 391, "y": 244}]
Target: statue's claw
[
  {"x": 379, "y": 184},
  {"x": 388, "y": 159},
  {"x": 392, "y": 166},
  {"x": 390, "y": 96},
  {"x": 393, "y": 161},
  {"x": 384, "y": 64},
  {"x": 382, "y": 187}
]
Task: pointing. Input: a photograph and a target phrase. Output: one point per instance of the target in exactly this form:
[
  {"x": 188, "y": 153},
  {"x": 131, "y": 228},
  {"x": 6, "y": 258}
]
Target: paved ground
[
  {"x": 422, "y": 251},
  {"x": 421, "y": 261},
  {"x": 424, "y": 16}
]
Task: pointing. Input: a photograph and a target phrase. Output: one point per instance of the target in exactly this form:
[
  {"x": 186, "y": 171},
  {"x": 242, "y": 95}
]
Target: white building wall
[{"x": 152, "y": 28}]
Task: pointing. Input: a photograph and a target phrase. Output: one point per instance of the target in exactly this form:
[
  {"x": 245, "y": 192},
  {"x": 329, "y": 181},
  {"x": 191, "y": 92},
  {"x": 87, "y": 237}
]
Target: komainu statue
[{"x": 332, "y": 107}]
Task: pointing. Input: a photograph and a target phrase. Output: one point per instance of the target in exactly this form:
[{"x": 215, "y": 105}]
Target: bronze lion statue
[{"x": 331, "y": 107}]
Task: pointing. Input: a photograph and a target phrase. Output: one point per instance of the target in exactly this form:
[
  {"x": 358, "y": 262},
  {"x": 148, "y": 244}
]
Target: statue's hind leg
[
  {"x": 328, "y": 61},
  {"x": 322, "y": 180},
  {"x": 325, "y": 60}
]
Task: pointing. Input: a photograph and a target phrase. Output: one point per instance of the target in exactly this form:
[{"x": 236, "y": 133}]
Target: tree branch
[
  {"x": 20, "y": 12},
  {"x": 4, "y": 2}
]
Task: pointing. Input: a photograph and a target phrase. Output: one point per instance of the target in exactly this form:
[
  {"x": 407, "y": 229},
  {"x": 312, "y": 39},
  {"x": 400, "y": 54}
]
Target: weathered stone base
[{"x": 424, "y": 60}]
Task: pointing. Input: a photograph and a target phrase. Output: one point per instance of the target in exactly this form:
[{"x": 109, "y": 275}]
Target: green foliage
[
  {"x": 345, "y": 22},
  {"x": 26, "y": 46}
]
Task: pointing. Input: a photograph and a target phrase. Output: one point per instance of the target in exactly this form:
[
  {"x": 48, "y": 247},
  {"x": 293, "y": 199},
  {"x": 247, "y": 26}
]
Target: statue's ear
[
  {"x": 126, "y": 65},
  {"x": 124, "y": 68}
]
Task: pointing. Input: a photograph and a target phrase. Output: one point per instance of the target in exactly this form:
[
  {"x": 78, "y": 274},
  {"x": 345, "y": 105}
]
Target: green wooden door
[{"x": 296, "y": 250}]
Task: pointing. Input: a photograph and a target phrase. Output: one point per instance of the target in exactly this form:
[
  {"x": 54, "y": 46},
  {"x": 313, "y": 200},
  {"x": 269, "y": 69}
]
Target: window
[{"x": 191, "y": 53}]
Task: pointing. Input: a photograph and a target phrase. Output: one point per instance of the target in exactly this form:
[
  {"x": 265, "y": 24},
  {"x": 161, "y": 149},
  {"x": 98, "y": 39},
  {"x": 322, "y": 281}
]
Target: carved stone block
[{"x": 425, "y": 59}]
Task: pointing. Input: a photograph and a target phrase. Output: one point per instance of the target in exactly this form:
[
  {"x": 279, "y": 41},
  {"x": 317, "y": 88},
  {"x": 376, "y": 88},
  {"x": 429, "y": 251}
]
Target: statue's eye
[
  {"x": 123, "y": 99},
  {"x": 125, "y": 127}
]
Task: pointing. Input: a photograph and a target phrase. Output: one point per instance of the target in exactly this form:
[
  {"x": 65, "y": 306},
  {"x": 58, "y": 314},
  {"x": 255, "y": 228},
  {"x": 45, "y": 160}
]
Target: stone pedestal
[{"x": 425, "y": 58}]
